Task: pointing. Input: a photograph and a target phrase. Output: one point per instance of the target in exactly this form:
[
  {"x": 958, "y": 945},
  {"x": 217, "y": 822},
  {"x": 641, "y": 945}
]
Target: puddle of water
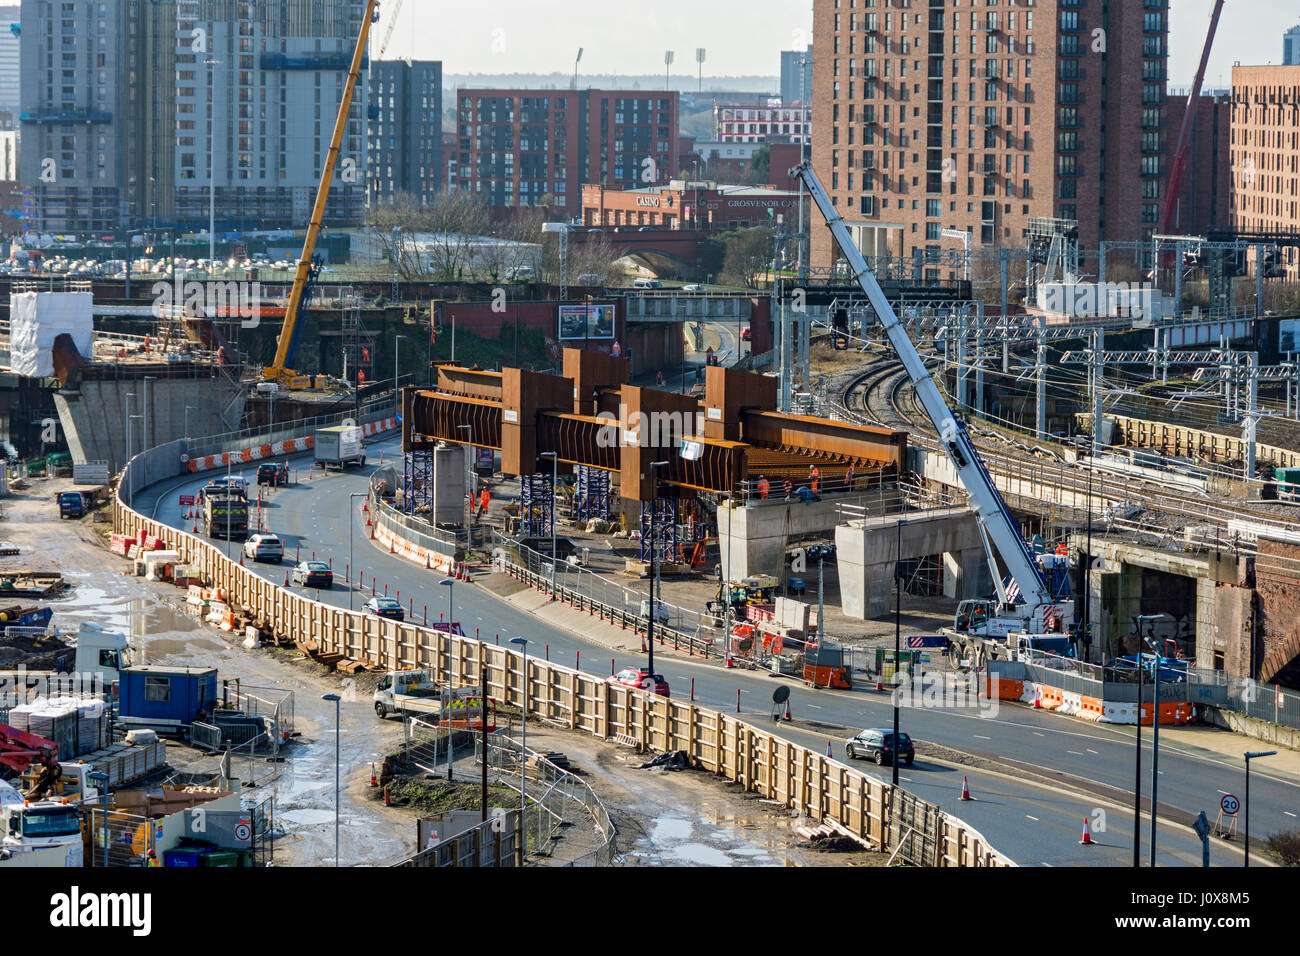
[
  {"x": 698, "y": 854},
  {"x": 305, "y": 818},
  {"x": 671, "y": 828}
]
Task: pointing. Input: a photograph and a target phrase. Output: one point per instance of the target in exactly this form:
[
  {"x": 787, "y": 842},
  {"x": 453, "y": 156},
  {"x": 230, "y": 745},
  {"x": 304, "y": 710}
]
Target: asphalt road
[{"x": 1032, "y": 823}]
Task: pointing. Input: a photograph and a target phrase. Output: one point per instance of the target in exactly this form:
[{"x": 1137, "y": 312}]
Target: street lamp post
[
  {"x": 148, "y": 400},
  {"x": 555, "y": 501},
  {"x": 396, "y": 348},
  {"x": 1251, "y": 755},
  {"x": 337, "y": 749},
  {"x": 898, "y": 652},
  {"x": 450, "y": 585},
  {"x": 130, "y": 491},
  {"x": 654, "y": 563},
  {"x": 1149, "y": 620},
  {"x": 1137, "y": 772},
  {"x": 355, "y": 494},
  {"x": 523, "y": 754}
]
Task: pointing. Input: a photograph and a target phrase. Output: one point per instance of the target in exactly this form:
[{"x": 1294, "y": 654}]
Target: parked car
[
  {"x": 313, "y": 574},
  {"x": 647, "y": 284},
  {"x": 745, "y": 334},
  {"x": 692, "y": 287},
  {"x": 264, "y": 547},
  {"x": 273, "y": 474},
  {"x": 386, "y": 607},
  {"x": 878, "y": 744},
  {"x": 641, "y": 679}
]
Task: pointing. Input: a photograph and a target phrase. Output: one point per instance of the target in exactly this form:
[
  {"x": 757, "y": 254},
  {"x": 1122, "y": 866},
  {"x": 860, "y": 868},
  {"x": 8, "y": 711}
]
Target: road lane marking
[
  {"x": 1035, "y": 819},
  {"x": 1075, "y": 752},
  {"x": 1288, "y": 813},
  {"x": 982, "y": 737},
  {"x": 1037, "y": 734},
  {"x": 1223, "y": 791},
  {"x": 1090, "y": 750},
  {"x": 815, "y": 706}
]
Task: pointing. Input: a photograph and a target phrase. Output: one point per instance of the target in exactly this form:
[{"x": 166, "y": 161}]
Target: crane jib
[{"x": 995, "y": 518}]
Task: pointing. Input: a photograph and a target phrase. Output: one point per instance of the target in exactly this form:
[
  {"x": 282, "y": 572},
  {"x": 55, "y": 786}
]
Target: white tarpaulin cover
[{"x": 36, "y": 319}]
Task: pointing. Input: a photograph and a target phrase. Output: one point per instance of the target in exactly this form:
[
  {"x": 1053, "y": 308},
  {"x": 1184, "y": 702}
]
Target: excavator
[{"x": 279, "y": 372}]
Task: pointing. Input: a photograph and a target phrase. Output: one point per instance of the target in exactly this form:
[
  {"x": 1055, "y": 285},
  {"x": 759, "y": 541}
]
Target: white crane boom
[{"x": 995, "y": 519}]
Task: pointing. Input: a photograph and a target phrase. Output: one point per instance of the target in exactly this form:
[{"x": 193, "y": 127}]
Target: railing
[
  {"x": 773, "y": 767},
  {"x": 492, "y": 843},
  {"x": 420, "y": 533},
  {"x": 374, "y": 410}
]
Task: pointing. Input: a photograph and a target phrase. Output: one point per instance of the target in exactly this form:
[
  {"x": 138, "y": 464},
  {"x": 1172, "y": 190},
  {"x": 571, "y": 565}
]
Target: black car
[
  {"x": 313, "y": 574},
  {"x": 878, "y": 744},
  {"x": 273, "y": 475}
]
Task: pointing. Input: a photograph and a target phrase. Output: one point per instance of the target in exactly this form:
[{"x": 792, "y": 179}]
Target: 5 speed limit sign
[
  {"x": 1230, "y": 804},
  {"x": 243, "y": 832}
]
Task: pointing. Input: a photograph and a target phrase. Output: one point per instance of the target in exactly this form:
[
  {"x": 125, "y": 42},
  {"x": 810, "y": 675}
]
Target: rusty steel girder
[
  {"x": 580, "y": 439},
  {"x": 827, "y": 440},
  {"x": 431, "y": 417}
]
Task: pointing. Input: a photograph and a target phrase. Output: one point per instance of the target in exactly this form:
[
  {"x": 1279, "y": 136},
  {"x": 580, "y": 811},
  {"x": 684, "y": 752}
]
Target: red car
[
  {"x": 744, "y": 334},
  {"x": 641, "y": 679}
]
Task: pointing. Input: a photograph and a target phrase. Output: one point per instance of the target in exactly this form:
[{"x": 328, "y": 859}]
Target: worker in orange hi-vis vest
[
  {"x": 814, "y": 477},
  {"x": 764, "y": 486},
  {"x": 483, "y": 499},
  {"x": 849, "y": 476}
]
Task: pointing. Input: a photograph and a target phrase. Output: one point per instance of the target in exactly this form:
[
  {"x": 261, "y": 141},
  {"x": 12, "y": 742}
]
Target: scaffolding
[
  {"x": 358, "y": 341},
  {"x": 536, "y": 506},
  {"x": 418, "y": 483},
  {"x": 591, "y": 497},
  {"x": 664, "y": 514}
]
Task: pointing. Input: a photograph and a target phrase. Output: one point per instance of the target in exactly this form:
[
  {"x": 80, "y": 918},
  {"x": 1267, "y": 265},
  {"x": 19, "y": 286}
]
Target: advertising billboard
[{"x": 586, "y": 322}]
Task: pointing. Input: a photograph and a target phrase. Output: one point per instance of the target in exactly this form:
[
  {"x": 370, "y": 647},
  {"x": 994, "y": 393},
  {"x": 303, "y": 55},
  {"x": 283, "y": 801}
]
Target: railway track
[{"x": 883, "y": 395}]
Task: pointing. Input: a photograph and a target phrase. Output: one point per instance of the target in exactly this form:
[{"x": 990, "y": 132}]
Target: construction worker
[
  {"x": 483, "y": 499},
  {"x": 814, "y": 477},
  {"x": 849, "y": 476},
  {"x": 764, "y": 486}
]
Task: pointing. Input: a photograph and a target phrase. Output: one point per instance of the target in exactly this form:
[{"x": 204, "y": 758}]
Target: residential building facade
[
  {"x": 1265, "y": 142},
  {"x": 976, "y": 118},
  {"x": 705, "y": 206},
  {"x": 539, "y": 147},
  {"x": 404, "y": 137},
  {"x": 10, "y": 71},
  {"x": 796, "y": 76},
  {"x": 762, "y": 124}
]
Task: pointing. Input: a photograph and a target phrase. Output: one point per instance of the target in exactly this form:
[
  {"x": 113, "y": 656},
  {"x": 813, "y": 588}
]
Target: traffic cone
[
  {"x": 787, "y": 709},
  {"x": 374, "y": 781},
  {"x": 642, "y": 643},
  {"x": 828, "y": 749},
  {"x": 1038, "y": 698},
  {"x": 965, "y": 788},
  {"x": 730, "y": 662},
  {"x": 880, "y": 683},
  {"x": 1087, "y": 834}
]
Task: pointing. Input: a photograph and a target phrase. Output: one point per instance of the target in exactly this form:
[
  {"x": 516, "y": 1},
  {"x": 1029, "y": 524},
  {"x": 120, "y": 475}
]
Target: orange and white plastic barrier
[
  {"x": 433, "y": 560},
  {"x": 1083, "y": 707},
  {"x": 279, "y": 449}
]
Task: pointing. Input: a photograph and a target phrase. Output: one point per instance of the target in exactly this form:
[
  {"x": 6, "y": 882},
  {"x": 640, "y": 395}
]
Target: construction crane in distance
[
  {"x": 1179, "y": 163},
  {"x": 388, "y": 34},
  {"x": 279, "y": 372}
]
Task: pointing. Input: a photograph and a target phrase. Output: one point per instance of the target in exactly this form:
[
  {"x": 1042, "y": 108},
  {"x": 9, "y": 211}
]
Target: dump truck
[
  {"x": 225, "y": 513},
  {"x": 27, "y": 826},
  {"x": 339, "y": 446}
]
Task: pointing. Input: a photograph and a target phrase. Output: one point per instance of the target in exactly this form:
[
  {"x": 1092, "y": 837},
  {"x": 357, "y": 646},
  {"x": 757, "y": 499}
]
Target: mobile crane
[
  {"x": 1026, "y": 614},
  {"x": 308, "y": 266}
]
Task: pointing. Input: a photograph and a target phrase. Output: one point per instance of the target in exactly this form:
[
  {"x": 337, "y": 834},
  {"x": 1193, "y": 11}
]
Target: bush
[{"x": 1285, "y": 847}]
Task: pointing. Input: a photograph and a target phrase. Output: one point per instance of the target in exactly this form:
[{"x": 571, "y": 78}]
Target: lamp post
[
  {"x": 469, "y": 486},
  {"x": 898, "y": 632},
  {"x": 1137, "y": 772},
  {"x": 396, "y": 348},
  {"x": 1251, "y": 755},
  {"x": 337, "y": 748},
  {"x": 450, "y": 585},
  {"x": 130, "y": 491},
  {"x": 555, "y": 500},
  {"x": 1150, "y": 620},
  {"x": 654, "y": 563},
  {"x": 523, "y": 754},
  {"x": 147, "y": 401},
  {"x": 355, "y": 494}
]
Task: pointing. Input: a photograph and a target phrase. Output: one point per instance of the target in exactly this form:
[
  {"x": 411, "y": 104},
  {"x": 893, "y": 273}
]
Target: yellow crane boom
[{"x": 277, "y": 372}]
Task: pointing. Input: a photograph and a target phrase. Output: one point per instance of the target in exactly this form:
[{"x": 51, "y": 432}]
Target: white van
[{"x": 647, "y": 284}]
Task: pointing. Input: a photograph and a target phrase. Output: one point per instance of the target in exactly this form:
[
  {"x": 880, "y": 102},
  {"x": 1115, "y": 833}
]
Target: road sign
[
  {"x": 187, "y": 500},
  {"x": 1230, "y": 804}
]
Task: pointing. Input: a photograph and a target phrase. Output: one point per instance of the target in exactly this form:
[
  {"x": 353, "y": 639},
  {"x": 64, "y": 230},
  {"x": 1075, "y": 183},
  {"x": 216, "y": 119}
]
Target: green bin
[{"x": 220, "y": 858}]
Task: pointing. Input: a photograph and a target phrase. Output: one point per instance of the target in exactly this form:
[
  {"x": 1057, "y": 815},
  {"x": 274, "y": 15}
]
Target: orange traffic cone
[
  {"x": 1087, "y": 834},
  {"x": 880, "y": 683},
  {"x": 828, "y": 749},
  {"x": 730, "y": 662},
  {"x": 642, "y": 643},
  {"x": 965, "y": 788},
  {"x": 374, "y": 781},
  {"x": 1038, "y": 698},
  {"x": 787, "y": 709}
]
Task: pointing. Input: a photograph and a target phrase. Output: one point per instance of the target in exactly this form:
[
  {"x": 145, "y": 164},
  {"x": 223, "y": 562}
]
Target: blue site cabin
[{"x": 166, "y": 699}]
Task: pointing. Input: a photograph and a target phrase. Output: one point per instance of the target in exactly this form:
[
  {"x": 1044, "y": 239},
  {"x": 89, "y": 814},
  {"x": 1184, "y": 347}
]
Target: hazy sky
[{"x": 741, "y": 36}]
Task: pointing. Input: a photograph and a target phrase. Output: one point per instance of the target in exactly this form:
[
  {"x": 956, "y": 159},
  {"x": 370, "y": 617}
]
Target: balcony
[
  {"x": 66, "y": 116},
  {"x": 324, "y": 61}
]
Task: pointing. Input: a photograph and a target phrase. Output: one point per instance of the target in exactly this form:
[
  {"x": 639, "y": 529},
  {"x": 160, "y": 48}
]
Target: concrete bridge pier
[{"x": 868, "y": 550}]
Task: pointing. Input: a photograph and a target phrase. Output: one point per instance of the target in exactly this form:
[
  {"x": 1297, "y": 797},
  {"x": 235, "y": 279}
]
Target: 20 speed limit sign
[{"x": 1230, "y": 804}]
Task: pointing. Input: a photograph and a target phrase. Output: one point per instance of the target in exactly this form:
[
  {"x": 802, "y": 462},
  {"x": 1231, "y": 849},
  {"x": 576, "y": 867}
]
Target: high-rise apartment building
[
  {"x": 1265, "y": 181},
  {"x": 10, "y": 74},
  {"x": 132, "y": 108},
  {"x": 796, "y": 76},
  {"x": 950, "y": 114},
  {"x": 404, "y": 137},
  {"x": 539, "y": 147}
]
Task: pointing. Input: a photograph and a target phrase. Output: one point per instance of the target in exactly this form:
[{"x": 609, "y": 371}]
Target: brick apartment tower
[
  {"x": 1265, "y": 183},
  {"x": 978, "y": 115}
]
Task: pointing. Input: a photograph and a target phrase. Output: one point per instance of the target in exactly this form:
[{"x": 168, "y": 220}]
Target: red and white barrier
[
  {"x": 433, "y": 560},
  {"x": 278, "y": 449}
]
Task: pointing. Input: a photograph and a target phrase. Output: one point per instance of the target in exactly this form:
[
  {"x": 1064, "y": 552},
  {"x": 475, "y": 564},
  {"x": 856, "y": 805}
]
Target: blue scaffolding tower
[
  {"x": 665, "y": 530},
  {"x": 536, "y": 506},
  {"x": 417, "y": 483},
  {"x": 591, "y": 498}
]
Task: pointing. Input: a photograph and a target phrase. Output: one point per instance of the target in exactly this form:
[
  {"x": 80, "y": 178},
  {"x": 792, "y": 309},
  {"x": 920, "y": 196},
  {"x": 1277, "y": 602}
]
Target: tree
[
  {"x": 430, "y": 240},
  {"x": 748, "y": 255}
]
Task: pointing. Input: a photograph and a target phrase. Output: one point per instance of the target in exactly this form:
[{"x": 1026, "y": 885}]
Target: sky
[{"x": 741, "y": 37}]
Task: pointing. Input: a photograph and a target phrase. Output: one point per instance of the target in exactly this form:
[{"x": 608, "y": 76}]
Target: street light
[
  {"x": 1251, "y": 755},
  {"x": 555, "y": 500},
  {"x": 1137, "y": 772},
  {"x": 898, "y": 632},
  {"x": 450, "y": 585},
  {"x": 523, "y": 754},
  {"x": 396, "y": 348},
  {"x": 337, "y": 747},
  {"x": 355, "y": 494},
  {"x": 1150, "y": 621},
  {"x": 130, "y": 491},
  {"x": 654, "y": 564}
]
